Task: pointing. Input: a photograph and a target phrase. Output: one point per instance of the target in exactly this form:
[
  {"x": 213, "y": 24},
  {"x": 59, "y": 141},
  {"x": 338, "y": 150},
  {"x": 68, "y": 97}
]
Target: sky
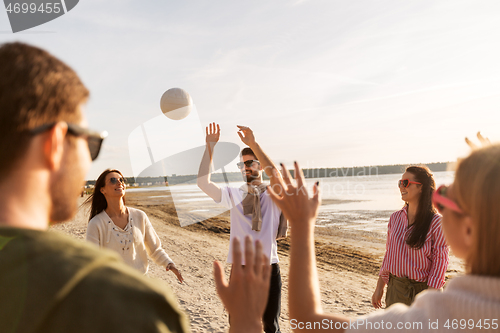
[{"x": 326, "y": 83}]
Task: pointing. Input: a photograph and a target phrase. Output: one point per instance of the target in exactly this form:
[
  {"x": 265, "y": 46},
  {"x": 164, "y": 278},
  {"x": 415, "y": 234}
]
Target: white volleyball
[{"x": 176, "y": 103}]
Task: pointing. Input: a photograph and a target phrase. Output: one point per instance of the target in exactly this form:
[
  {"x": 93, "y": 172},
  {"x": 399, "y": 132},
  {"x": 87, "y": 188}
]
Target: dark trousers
[{"x": 273, "y": 307}]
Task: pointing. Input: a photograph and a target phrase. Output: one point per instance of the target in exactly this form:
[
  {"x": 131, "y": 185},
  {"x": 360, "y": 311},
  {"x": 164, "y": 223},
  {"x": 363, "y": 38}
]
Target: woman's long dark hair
[
  {"x": 425, "y": 211},
  {"x": 97, "y": 200}
]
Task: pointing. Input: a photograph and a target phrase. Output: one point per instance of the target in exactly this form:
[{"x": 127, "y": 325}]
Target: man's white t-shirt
[{"x": 241, "y": 225}]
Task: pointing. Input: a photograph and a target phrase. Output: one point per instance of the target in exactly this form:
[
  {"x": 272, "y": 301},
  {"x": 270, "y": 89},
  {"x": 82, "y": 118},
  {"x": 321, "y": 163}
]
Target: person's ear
[
  {"x": 53, "y": 145},
  {"x": 468, "y": 232}
]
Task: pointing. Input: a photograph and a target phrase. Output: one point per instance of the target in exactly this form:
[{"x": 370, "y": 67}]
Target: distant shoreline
[{"x": 308, "y": 173}]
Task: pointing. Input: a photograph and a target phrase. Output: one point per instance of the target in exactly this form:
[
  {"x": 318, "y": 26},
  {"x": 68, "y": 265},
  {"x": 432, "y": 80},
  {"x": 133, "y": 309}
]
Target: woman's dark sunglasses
[
  {"x": 94, "y": 139},
  {"x": 248, "y": 164},
  {"x": 406, "y": 183},
  {"x": 114, "y": 180}
]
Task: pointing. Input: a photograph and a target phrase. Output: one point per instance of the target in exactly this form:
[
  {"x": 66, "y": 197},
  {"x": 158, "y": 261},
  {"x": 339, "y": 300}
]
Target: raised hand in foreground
[
  {"x": 299, "y": 209},
  {"x": 304, "y": 300},
  {"x": 483, "y": 140},
  {"x": 245, "y": 296}
]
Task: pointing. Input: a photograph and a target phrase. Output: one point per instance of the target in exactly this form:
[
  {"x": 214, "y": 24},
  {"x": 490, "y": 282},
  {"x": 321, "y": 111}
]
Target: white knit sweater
[
  {"x": 467, "y": 303},
  {"x": 134, "y": 243}
]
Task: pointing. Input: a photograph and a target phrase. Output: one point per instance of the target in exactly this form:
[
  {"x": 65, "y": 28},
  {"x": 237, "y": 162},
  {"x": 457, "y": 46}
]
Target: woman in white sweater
[
  {"x": 126, "y": 230},
  {"x": 471, "y": 224}
]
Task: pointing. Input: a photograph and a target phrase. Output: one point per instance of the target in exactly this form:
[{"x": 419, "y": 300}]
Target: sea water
[{"x": 354, "y": 202}]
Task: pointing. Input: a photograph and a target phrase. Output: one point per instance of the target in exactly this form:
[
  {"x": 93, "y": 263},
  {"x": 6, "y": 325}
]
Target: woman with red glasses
[
  {"x": 126, "y": 230},
  {"x": 471, "y": 224},
  {"x": 416, "y": 254}
]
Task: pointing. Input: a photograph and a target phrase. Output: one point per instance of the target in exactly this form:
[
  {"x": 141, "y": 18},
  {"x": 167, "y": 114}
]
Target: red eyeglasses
[
  {"x": 406, "y": 183},
  {"x": 440, "y": 200}
]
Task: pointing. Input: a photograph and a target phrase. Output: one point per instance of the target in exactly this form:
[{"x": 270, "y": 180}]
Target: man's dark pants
[{"x": 273, "y": 308}]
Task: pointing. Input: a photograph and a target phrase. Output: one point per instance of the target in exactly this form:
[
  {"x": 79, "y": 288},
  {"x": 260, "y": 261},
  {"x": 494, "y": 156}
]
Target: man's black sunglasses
[
  {"x": 94, "y": 139},
  {"x": 248, "y": 164}
]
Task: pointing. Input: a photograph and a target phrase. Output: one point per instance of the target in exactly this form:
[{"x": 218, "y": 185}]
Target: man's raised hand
[
  {"x": 246, "y": 135},
  {"x": 213, "y": 133}
]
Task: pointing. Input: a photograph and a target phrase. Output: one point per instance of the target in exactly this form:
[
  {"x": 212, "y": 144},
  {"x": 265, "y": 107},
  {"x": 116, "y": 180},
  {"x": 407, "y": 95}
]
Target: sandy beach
[{"x": 348, "y": 262}]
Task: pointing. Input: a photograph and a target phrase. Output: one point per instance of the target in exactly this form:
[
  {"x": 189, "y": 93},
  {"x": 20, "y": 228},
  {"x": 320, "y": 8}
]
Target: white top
[
  {"x": 241, "y": 225},
  {"x": 467, "y": 303},
  {"x": 134, "y": 243}
]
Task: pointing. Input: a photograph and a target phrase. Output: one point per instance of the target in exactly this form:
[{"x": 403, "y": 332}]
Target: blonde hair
[{"x": 477, "y": 186}]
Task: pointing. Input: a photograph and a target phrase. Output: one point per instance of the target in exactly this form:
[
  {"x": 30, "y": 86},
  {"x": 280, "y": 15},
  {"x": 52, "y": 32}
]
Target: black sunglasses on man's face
[
  {"x": 94, "y": 139},
  {"x": 248, "y": 164}
]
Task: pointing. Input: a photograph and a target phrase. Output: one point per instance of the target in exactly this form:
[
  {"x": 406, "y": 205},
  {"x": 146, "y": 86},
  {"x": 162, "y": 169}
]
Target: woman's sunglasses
[
  {"x": 94, "y": 139},
  {"x": 248, "y": 164},
  {"x": 114, "y": 180},
  {"x": 406, "y": 183},
  {"x": 440, "y": 200}
]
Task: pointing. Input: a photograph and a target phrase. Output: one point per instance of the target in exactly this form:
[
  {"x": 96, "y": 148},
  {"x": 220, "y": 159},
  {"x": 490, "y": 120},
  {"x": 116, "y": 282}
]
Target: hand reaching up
[
  {"x": 212, "y": 133},
  {"x": 484, "y": 141},
  {"x": 246, "y": 135},
  {"x": 295, "y": 203}
]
